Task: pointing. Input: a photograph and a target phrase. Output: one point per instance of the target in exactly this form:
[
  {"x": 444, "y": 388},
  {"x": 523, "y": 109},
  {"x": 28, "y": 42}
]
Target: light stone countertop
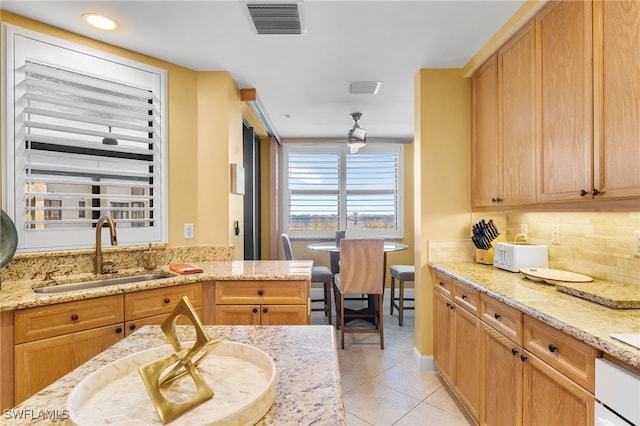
[
  {"x": 308, "y": 381},
  {"x": 19, "y": 294},
  {"x": 585, "y": 320}
]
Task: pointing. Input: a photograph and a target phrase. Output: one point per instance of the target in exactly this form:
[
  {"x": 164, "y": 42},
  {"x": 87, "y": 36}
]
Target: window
[
  {"x": 329, "y": 189},
  {"x": 84, "y": 136}
]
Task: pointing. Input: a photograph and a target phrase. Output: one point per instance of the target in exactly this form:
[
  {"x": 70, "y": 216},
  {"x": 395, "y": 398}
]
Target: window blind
[{"x": 88, "y": 142}]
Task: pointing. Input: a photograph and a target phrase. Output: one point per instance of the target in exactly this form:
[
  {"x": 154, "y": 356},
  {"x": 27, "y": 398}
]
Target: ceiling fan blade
[
  {"x": 389, "y": 140},
  {"x": 353, "y": 149}
]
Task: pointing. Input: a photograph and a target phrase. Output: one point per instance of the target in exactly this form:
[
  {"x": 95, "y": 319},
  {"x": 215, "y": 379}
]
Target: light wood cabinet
[
  {"x": 565, "y": 72},
  {"x": 457, "y": 341},
  {"x": 504, "y": 120},
  {"x": 262, "y": 302},
  {"x": 541, "y": 377},
  {"x": 616, "y": 99},
  {"x": 52, "y": 340}
]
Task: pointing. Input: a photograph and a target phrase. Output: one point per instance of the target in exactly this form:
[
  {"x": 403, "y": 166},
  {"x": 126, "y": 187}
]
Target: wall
[
  {"x": 442, "y": 175},
  {"x": 204, "y": 136}
]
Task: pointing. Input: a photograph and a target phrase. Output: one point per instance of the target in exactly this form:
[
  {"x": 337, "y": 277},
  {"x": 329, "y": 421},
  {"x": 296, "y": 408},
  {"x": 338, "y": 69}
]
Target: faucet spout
[{"x": 97, "y": 269}]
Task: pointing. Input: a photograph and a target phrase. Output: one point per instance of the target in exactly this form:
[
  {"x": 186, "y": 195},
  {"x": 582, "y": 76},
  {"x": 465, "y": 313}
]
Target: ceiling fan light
[
  {"x": 356, "y": 143},
  {"x": 358, "y": 133}
]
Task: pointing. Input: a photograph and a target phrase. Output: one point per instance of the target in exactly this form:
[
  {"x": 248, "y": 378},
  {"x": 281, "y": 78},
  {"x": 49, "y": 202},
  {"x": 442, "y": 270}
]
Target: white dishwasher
[{"x": 617, "y": 395}]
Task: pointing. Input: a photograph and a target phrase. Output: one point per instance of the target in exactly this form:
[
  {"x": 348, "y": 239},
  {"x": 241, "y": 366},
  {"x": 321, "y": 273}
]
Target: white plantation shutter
[
  {"x": 88, "y": 140},
  {"x": 329, "y": 189}
]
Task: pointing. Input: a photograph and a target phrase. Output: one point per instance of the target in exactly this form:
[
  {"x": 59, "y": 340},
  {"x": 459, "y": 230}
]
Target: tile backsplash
[{"x": 598, "y": 244}]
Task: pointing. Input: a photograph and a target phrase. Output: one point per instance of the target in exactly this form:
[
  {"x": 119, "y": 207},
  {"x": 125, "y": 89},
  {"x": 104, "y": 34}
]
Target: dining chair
[
  {"x": 319, "y": 274},
  {"x": 361, "y": 272},
  {"x": 401, "y": 273}
]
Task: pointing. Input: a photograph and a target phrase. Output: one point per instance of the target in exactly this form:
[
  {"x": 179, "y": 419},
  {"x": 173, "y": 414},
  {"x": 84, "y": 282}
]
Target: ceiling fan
[{"x": 357, "y": 136}]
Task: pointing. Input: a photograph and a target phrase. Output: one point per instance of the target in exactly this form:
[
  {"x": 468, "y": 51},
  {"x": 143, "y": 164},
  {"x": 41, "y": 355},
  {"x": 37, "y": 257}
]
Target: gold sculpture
[{"x": 183, "y": 363}]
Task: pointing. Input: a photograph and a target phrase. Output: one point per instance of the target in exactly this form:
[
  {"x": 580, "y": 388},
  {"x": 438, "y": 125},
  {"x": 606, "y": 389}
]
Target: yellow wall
[
  {"x": 204, "y": 136},
  {"x": 442, "y": 191}
]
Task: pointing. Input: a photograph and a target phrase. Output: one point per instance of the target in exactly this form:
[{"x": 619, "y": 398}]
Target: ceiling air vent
[
  {"x": 363, "y": 87},
  {"x": 276, "y": 18}
]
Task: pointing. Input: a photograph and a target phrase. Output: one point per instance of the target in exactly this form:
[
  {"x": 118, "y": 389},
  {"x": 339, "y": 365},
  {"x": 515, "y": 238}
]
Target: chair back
[
  {"x": 286, "y": 247},
  {"x": 362, "y": 266},
  {"x": 334, "y": 256}
]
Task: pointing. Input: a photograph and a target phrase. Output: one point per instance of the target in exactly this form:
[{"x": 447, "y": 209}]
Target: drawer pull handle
[
  {"x": 464, "y": 297},
  {"x": 255, "y": 310},
  {"x": 167, "y": 300},
  {"x": 260, "y": 292},
  {"x": 552, "y": 347},
  {"x": 523, "y": 358},
  {"x": 514, "y": 351},
  {"x": 497, "y": 316},
  {"x": 118, "y": 330},
  {"x": 74, "y": 317},
  {"x": 442, "y": 283},
  {"x": 132, "y": 327},
  {"x": 265, "y": 310}
]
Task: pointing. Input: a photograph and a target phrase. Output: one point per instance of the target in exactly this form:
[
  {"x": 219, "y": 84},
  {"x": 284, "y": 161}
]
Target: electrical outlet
[
  {"x": 188, "y": 230},
  {"x": 555, "y": 234},
  {"x": 523, "y": 231},
  {"x": 636, "y": 243}
]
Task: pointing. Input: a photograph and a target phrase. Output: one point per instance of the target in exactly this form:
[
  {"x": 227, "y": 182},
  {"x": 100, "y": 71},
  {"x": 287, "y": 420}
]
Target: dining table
[{"x": 334, "y": 247}]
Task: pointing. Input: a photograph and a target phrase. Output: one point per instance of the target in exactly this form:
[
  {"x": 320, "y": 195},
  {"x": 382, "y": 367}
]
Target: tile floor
[{"x": 384, "y": 387}]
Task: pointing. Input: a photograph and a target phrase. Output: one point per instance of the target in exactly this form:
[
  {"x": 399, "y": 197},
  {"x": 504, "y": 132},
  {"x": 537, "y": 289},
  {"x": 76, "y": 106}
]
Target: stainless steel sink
[{"x": 61, "y": 288}]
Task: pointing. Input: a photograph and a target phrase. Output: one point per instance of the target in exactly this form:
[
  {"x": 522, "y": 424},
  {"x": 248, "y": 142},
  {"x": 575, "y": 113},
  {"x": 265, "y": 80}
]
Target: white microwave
[{"x": 513, "y": 256}]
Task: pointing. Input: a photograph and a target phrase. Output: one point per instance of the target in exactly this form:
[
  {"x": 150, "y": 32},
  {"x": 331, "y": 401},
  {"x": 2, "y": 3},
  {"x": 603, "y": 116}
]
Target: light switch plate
[
  {"x": 188, "y": 230},
  {"x": 636, "y": 243}
]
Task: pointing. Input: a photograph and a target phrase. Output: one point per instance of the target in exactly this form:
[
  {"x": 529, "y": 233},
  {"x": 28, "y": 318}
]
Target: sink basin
[{"x": 61, "y": 288}]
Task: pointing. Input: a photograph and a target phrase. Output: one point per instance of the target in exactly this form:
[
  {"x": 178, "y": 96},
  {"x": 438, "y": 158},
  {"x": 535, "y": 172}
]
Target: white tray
[
  {"x": 553, "y": 276},
  {"x": 241, "y": 376}
]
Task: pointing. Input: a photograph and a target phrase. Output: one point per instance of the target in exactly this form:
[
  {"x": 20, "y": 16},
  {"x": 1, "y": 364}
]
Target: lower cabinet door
[
  {"x": 501, "y": 380},
  {"x": 443, "y": 351},
  {"x": 42, "y": 362},
  {"x": 550, "y": 398},
  {"x": 237, "y": 315},
  {"x": 467, "y": 359},
  {"x": 284, "y": 314}
]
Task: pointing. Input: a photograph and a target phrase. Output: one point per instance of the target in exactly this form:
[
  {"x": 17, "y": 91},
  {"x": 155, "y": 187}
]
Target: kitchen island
[{"x": 308, "y": 382}]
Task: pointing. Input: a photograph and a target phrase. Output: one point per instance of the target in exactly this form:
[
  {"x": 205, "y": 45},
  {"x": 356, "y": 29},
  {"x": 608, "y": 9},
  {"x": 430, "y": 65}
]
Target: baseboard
[{"x": 424, "y": 363}]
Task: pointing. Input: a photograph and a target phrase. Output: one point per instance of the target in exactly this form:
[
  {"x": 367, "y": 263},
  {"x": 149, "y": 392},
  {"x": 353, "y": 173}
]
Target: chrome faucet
[{"x": 97, "y": 266}]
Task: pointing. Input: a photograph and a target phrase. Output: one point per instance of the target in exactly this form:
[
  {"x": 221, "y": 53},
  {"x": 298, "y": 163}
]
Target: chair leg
[
  {"x": 393, "y": 291},
  {"x": 327, "y": 301},
  {"x": 401, "y": 302},
  {"x": 381, "y": 325},
  {"x": 342, "y": 320}
]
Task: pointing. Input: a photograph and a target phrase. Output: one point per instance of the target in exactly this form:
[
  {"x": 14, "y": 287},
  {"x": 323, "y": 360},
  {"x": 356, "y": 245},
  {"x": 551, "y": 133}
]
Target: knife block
[{"x": 486, "y": 256}]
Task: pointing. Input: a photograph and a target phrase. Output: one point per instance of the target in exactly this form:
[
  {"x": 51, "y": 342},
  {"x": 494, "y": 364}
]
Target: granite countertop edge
[
  {"x": 549, "y": 313},
  {"x": 16, "y": 295}
]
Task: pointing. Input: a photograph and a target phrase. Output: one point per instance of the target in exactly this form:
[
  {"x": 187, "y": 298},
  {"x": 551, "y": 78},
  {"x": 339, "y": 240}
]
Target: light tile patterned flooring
[{"x": 385, "y": 387}]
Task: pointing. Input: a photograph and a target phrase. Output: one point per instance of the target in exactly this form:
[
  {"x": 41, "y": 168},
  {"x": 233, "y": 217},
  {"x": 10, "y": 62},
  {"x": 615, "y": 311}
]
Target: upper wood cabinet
[
  {"x": 504, "y": 118},
  {"x": 617, "y": 98},
  {"x": 565, "y": 74}
]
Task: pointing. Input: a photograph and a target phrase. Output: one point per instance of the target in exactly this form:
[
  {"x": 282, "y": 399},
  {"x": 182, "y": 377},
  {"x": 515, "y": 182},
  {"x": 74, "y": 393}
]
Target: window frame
[
  {"x": 20, "y": 45},
  {"x": 342, "y": 150}
]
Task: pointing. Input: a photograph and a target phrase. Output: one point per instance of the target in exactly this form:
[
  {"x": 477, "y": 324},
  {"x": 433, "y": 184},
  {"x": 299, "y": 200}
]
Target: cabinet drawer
[
  {"x": 158, "y": 301},
  {"x": 443, "y": 284},
  {"x": 131, "y": 326},
  {"x": 261, "y": 292},
  {"x": 501, "y": 317},
  {"x": 571, "y": 357},
  {"x": 466, "y": 297},
  {"x": 63, "y": 318}
]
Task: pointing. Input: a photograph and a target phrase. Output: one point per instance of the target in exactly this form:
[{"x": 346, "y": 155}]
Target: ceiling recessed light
[{"x": 99, "y": 21}]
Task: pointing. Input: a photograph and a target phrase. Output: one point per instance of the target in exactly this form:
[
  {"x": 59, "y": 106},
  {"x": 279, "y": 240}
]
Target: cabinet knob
[
  {"x": 497, "y": 315},
  {"x": 514, "y": 351},
  {"x": 523, "y": 357},
  {"x": 583, "y": 193},
  {"x": 464, "y": 297},
  {"x": 552, "y": 347},
  {"x": 74, "y": 317},
  {"x": 496, "y": 200},
  {"x": 265, "y": 310},
  {"x": 441, "y": 283},
  {"x": 595, "y": 192},
  {"x": 260, "y": 292},
  {"x": 167, "y": 300},
  {"x": 118, "y": 330},
  {"x": 255, "y": 310},
  {"x": 132, "y": 327}
]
